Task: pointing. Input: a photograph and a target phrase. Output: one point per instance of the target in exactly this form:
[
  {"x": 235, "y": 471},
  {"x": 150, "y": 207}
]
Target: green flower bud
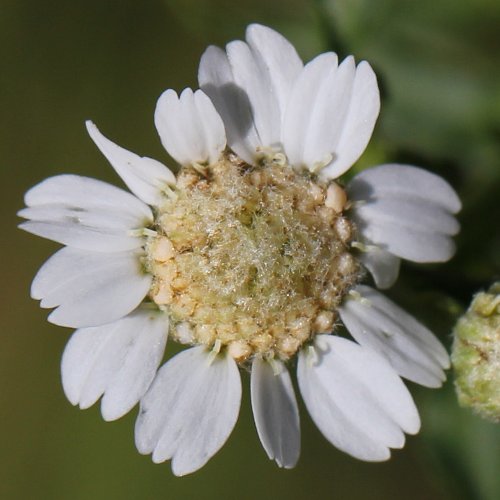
[{"x": 476, "y": 355}]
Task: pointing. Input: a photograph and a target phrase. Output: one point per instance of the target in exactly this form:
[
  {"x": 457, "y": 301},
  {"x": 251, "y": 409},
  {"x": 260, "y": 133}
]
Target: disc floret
[{"x": 254, "y": 259}]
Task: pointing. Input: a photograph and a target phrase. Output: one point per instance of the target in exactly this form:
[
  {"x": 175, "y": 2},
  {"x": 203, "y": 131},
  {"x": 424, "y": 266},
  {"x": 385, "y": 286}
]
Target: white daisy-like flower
[{"x": 252, "y": 255}]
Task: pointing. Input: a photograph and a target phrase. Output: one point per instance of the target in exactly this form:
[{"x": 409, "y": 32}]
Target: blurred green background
[{"x": 109, "y": 60}]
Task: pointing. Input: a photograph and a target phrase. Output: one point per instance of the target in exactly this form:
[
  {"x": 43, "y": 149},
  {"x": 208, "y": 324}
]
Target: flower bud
[{"x": 476, "y": 355}]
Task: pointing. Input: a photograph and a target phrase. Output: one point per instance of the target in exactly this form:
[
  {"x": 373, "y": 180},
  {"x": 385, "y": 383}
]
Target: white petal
[
  {"x": 378, "y": 323},
  {"x": 90, "y": 288},
  {"x": 255, "y": 84},
  {"x": 407, "y": 211},
  {"x": 85, "y": 213},
  {"x": 355, "y": 398},
  {"x": 329, "y": 113},
  {"x": 213, "y": 127},
  {"x": 190, "y": 409},
  {"x": 275, "y": 412},
  {"x": 250, "y": 86},
  {"x": 404, "y": 181},
  {"x": 383, "y": 266},
  {"x": 216, "y": 80},
  {"x": 277, "y": 58},
  {"x": 423, "y": 216},
  {"x": 190, "y": 128},
  {"x": 358, "y": 124},
  {"x": 302, "y": 102},
  {"x": 84, "y": 191},
  {"x": 410, "y": 244},
  {"x": 145, "y": 177},
  {"x": 118, "y": 360}
]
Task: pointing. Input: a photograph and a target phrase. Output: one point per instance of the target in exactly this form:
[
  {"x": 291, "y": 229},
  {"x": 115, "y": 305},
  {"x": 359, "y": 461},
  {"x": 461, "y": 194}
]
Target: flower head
[{"x": 252, "y": 255}]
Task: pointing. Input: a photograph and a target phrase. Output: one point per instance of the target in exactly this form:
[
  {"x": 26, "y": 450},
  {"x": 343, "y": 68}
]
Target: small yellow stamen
[
  {"x": 142, "y": 232},
  {"x": 354, "y": 295},
  {"x": 312, "y": 357},
  {"x": 321, "y": 164},
  {"x": 364, "y": 247},
  {"x": 336, "y": 197}
]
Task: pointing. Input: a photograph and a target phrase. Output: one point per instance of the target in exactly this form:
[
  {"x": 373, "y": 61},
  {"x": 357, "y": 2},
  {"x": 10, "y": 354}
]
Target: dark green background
[{"x": 65, "y": 61}]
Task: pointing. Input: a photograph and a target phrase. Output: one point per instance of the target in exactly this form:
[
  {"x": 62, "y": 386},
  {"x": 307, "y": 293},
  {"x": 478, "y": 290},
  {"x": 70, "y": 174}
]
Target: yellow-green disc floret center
[{"x": 252, "y": 259}]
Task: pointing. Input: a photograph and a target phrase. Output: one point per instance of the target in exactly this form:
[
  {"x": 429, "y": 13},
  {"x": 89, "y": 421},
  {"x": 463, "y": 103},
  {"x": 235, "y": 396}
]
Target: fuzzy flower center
[{"x": 252, "y": 259}]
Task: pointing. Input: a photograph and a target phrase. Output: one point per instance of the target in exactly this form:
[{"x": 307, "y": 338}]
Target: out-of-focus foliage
[
  {"x": 62, "y": 62},
  {"x": 220, "y": 21},
  {"x": 438, "y": 65},
  {"x": 439, "y": 69}
]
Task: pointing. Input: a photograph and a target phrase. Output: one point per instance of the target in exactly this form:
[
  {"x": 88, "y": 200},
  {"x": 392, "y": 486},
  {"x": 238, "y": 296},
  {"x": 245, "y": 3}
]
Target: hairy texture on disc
[{"x": 252, "y": 257}]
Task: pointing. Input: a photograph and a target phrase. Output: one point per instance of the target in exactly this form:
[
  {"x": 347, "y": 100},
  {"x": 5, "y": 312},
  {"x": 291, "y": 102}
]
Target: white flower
[{"x": 250, "y": 254}]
